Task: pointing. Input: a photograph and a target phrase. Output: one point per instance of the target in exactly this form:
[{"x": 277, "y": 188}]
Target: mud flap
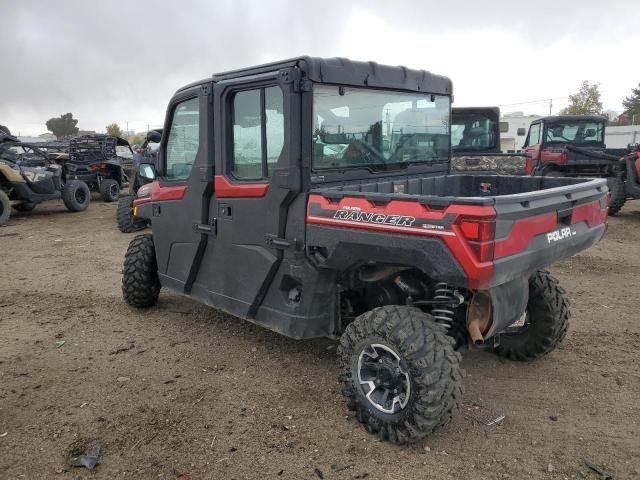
[{"x": 509, "y": 302}]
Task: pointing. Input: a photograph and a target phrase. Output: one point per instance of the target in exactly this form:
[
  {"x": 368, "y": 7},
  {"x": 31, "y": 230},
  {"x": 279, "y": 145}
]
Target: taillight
[
  {"x": 140, "y": 150},
  {"x": 480, "y": 235},
  {"x": 564, "y": 158},
  {"x": 98, "y": 166}
]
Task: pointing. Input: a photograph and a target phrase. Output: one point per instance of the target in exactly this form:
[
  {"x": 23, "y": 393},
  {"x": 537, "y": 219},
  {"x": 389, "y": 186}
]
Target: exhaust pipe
[{"x": 479, "y": 316}]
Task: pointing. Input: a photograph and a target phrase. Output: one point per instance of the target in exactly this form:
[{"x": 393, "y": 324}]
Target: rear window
[
  {"x": 473, "y": 131},
  {"x": 378, "y": 129}
]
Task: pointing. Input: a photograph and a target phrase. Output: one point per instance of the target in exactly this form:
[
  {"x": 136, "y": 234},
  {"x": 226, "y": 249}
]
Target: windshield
[
  {"x": 575, "y": 132},
  {"x": 472, "y": 131},
  {"x": 376, "y": 129}
]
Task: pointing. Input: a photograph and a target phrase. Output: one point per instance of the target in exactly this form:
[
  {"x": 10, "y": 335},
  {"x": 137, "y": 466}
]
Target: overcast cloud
[{"x": 119, "y": 61}]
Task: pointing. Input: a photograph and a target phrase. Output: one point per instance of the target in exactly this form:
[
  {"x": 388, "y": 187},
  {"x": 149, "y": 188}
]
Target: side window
[
  {"x": 258, "y": 132},
  {"x": 534, "y": 135},
  {"x": 183, "y": 141}
]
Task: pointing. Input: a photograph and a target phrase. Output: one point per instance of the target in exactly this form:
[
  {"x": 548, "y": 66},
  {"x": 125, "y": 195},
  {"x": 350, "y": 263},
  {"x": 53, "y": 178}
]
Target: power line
[{"x": 543, "y": 100}]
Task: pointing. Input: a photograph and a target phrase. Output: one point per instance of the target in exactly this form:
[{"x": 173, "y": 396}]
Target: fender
[{"x": 10, "y": 174}]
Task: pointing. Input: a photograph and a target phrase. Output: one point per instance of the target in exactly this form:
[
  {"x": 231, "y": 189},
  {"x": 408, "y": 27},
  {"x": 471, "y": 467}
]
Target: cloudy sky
[{"x": 120, "y": 61}]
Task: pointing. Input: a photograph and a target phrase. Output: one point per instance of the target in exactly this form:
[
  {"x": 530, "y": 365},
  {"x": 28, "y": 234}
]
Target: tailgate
[{"x": 536, "y": 229}]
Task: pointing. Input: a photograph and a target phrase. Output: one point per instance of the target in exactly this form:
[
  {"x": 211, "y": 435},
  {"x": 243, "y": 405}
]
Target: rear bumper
[{"x": 88, "y": 178}]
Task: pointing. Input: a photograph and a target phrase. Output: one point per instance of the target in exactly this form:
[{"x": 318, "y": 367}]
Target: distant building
[
  {"x": 621, "y": 136},
  {"x": 30, "y": 139},
  {"x": 44, "y": 137},
  {"x": 513, "y": 130},
  {"x": 627, "y": 118}
]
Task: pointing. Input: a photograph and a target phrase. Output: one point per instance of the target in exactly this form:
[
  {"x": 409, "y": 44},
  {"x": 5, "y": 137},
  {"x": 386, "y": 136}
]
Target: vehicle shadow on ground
[
  {"x": 308, "y": 353},
  {"x": 631, "y": 216}
]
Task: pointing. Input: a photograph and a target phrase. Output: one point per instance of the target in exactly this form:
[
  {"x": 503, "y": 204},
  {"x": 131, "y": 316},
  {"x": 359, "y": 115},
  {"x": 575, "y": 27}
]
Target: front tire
[
  {"x": 399, "y": 373},
  {"x": 127, "y": 223},
  {"x": 618, "y": 194},
  {"x": 140, "y": 283},
  {"x": 5, "y": 208},
  {"x": 546, "y": 321},
  {"x": 76, "y": 195},
  {"x": 110, "y": 190}
]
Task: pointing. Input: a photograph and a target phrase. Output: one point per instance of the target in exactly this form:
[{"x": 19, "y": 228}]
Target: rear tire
[
  {"x": 5, "y": 208},
  {"x": 76, "y": 195},
  {"x": 24, "y": 207},
  {"x": 546, "y": 322},
  {"x": 127, "y": 223},
  {"x": 618, "y": 194},
  {"x": 140, "y": 283},
  {"x": 399, "y": 373},
  {"x": 110, "y": 190}
]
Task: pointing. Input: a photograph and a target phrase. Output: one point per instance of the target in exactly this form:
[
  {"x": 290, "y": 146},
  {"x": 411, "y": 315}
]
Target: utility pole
[
  {"x": 550, "y": 105},
  {"x": 127, "y": 130}
]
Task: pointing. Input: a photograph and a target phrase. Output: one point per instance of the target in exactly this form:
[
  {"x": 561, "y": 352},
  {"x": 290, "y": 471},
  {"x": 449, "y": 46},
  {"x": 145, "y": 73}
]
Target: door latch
[
  {"x": 207, "y": 228},
  {"x": 277, "y": 242}
]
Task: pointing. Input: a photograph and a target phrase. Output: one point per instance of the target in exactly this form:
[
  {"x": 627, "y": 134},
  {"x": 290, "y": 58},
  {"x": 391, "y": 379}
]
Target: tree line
[{"x": 587, "y": 102}]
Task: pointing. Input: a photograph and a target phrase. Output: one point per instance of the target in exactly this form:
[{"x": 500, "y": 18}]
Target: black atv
[
  {"x": 146, "y": 153},
  {"x": 94, "y": 159},
  {"x": 28, "y": 177}
]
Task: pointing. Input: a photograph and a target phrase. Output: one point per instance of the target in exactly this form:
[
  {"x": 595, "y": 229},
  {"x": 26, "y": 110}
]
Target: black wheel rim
[
  {"x": 383, "y": 379},
  {"x": 80, "y": 196},
  {"x": 113, "y": 190}
]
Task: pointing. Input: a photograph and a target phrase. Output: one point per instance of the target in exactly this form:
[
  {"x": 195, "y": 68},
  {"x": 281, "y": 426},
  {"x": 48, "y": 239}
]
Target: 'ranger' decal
[{"x": 380, "y": 218}]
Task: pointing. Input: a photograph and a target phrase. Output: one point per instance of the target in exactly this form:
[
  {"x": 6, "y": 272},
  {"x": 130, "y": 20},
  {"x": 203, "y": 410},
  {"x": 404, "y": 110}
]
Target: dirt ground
[{"x": 183, "y": 391}]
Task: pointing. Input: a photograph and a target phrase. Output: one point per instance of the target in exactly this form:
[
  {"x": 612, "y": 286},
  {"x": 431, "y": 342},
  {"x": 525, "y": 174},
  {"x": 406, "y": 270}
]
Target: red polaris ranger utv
[
  {"x": 313, "y": 197},
  {"x": 573, "y": 146}
]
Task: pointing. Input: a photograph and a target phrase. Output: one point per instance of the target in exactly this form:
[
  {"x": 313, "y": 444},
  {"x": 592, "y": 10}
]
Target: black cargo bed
[{"x": 469, "y": 189}]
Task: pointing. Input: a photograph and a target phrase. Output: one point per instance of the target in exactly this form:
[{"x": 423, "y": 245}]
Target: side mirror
[
  {"x": 154, "y": 136},
  {"x": 147, "y": 171}
]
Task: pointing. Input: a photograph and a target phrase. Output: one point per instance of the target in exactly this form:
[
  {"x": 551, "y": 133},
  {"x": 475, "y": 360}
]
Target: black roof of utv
[
  {"x": 492, "y": 112},
  {"x": 343, "y": 71},
  {"x": 572, "y": 118}
]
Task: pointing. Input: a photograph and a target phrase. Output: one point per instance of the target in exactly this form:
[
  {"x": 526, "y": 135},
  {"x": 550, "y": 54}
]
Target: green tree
[
  {"x": 585, "y": 102},
  {"x": 114, "y": 130},
  {"x": 136, "y": 140},
  {"x": 63, "y": 126},
  {"x": 631, "y": 104}
]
